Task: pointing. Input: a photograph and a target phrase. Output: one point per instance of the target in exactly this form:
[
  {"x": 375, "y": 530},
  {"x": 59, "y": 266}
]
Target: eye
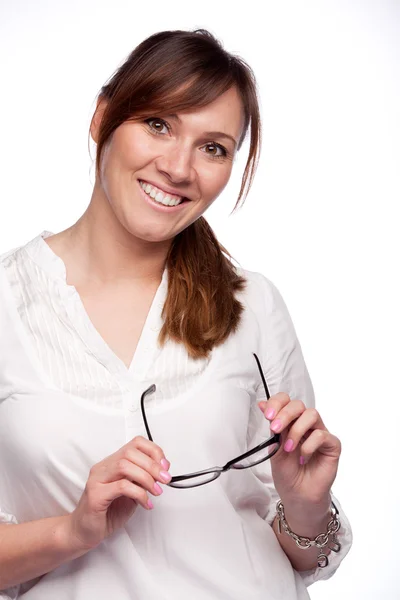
[
  {"x": 213, "y": 149},
  {"x": 156, "y": 125}
]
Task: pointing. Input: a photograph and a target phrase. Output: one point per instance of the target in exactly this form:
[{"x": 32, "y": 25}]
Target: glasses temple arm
[
  {"x": 149, "y": 390},
  {"x": 262, "y": 376}
]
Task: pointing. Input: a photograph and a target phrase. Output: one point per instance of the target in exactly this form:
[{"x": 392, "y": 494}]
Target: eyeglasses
[{"x": 253, "y": 457}]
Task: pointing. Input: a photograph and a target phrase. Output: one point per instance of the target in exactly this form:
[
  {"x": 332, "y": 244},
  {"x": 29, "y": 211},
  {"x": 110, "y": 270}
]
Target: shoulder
[
  {"x": 14, "y": 260},
  {"x": 6, "y": 260},
  {"x": 28, "y": 248},
  {"x": 7, "y": 263},
  {"x": 8, "y": 254},
  {"x": 14, "y": 272},
  {"x": 261, "y": 293}
]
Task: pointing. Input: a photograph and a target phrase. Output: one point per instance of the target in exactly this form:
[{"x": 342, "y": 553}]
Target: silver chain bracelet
[{"x": 321, "y": 540}]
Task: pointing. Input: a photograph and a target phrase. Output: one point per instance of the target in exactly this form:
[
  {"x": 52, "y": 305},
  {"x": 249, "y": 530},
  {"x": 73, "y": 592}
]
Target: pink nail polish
[
  {"x": 165, "y": 476},
  {"x": 150, "y": 504},
  {"x": 276, "y": 425},
  {"x": 165, "y": 464},
  {"x": 270, "y": 413},
  {"x": 288, "y": 445},
  {"x": 158, "y": 489},
  {"x": 302, "y": 460}
]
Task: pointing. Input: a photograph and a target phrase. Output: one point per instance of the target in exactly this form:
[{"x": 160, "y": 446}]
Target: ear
[{"x": 97, "y": 117}]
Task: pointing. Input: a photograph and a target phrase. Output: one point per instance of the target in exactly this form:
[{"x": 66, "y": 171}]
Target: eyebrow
[{"x": 211, "y": 134}]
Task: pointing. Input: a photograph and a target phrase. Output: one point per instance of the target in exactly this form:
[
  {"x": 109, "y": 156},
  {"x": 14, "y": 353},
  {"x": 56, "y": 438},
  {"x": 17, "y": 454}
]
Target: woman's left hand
[{"x": 309, "y": 484}]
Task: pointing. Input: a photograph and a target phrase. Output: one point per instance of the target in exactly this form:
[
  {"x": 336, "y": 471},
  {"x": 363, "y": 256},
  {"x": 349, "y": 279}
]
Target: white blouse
[{"x": 67, "y": 401}]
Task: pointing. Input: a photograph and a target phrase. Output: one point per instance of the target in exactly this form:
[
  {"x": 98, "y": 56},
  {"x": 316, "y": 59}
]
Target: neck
[{"x": 102, "y": 251}]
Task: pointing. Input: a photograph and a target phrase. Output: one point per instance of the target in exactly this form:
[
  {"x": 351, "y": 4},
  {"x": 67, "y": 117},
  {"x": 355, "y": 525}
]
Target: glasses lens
[
  {"x": 257, "y": 457},
  {"x": 194, "y": 481}
]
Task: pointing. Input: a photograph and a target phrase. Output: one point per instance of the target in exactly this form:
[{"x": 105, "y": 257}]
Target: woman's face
[{"x": 189, "y": 155}]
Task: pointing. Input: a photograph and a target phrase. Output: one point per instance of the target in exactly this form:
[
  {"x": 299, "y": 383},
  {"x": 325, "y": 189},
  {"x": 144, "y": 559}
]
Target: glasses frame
[{"x": 217, "y": 471}]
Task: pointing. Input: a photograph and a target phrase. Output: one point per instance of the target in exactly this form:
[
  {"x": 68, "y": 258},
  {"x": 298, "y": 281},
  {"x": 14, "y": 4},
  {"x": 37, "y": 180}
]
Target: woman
[{"x": 135, "y": 355}]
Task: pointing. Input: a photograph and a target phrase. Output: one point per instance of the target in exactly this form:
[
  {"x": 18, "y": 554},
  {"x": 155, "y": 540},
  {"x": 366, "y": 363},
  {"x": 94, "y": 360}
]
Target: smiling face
[{"x": 169, "y": 157}]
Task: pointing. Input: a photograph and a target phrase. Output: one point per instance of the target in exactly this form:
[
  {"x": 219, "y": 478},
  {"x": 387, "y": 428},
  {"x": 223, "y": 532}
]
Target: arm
[
  {"x": 31, "y": 549},
  {"x": 307, "y": 526},
  {"x": 285, "y": 370}
]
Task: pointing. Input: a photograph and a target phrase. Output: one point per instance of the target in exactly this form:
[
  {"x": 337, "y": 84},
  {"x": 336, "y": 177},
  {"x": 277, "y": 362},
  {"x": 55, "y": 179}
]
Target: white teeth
[{"x": 159, "y": 196}]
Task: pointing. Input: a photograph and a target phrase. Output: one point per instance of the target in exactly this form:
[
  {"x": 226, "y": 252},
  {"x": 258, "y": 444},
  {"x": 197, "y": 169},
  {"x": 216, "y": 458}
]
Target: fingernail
[
  {"x": 270, "y": 413},
  {"x": 302, "y": 460},
  {"x": 150, "y": 504},
  {"x": 165, "y": 464},
  {"x": 289, "y": 445},
  {"x": 276, "y": 425},
  {"x": 158, "y": 489},
  {"x": 165, "y": 476}
]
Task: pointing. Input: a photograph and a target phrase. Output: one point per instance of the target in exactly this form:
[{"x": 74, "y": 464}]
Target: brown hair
[{"x": 175, "y": 71}]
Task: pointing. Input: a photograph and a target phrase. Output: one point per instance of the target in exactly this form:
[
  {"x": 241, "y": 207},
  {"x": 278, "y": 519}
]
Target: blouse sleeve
[
  {"x": 285, "y": 370},
  {"x": 12, "y": 592}
]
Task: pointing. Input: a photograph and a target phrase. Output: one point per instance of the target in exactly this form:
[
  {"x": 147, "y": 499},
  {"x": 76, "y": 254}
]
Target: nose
[{"x": 177, "y": 164}]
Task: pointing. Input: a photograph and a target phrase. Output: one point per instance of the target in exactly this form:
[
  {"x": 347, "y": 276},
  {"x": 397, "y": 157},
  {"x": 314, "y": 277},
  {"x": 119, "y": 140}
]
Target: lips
[
  {"x": 158, "y": 205},
  {"x": 173, "y": 194}
]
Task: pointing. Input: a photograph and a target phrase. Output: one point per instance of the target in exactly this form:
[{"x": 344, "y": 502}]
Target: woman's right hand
[{"x": 116, "y": 485}]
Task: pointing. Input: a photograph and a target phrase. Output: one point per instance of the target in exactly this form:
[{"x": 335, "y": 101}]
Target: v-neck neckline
[{"x": 72, "y": 312}]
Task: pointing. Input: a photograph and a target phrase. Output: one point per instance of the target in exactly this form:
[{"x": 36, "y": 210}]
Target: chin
[{"x": 152, "y": 235}]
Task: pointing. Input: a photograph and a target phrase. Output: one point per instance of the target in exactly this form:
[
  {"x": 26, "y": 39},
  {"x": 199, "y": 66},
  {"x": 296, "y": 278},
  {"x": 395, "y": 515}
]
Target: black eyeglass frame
[{"x": 275, "y": 439}]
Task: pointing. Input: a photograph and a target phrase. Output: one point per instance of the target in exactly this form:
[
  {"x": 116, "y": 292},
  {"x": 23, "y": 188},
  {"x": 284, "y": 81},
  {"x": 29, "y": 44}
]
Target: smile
[{"x": 160, "y": 196}]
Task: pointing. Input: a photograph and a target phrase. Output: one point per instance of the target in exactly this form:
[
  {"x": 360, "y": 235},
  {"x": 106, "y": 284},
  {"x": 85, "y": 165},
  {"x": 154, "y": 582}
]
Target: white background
[{"x": 320, "y": 221}]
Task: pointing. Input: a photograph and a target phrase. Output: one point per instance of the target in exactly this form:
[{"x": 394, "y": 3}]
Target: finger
[
  {"x": 324, "y": 442},
  {"x": 302, "y": 428},
  {"x": 287, "y": 414},
  {"x": 149, "y": 464},
  {"x": 135, "y": 466},
  {"x": 141, "y": 451},
  {"x": 125, "y": 469},
  {"x": 272, "y": 406},
  {"x": 123, "y": 487},
  {"x": 154, "y": 452},
  {"x": 148, "y": 447}
]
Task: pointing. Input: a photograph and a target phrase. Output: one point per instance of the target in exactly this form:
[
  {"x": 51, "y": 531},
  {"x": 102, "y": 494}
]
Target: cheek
[
  {"x": 214, "y": 179},
  {"x": 138, "y": 150},
  {"x": 131, "y": 148}
]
